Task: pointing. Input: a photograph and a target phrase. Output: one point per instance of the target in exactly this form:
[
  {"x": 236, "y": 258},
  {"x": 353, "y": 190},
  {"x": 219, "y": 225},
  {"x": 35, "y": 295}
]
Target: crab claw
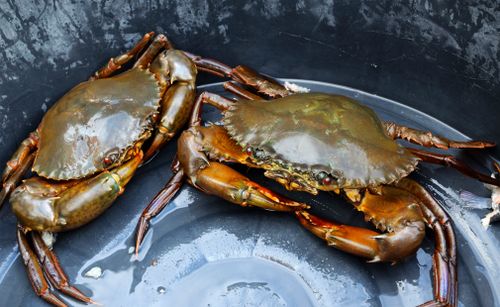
[
  {"x": 388, "y": 247},
  {"x": 394, "y": 211}
]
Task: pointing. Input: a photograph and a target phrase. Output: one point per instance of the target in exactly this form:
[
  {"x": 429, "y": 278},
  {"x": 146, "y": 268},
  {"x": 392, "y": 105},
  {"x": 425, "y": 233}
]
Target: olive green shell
[
  {"x": 95, "y": 120},
  {"x": 316, "y": 132}
]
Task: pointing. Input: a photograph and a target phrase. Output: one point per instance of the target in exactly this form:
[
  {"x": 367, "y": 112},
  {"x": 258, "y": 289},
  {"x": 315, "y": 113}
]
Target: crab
[
  {"x": 316, "y": 142},
  {"x": 88, "y": 146}
]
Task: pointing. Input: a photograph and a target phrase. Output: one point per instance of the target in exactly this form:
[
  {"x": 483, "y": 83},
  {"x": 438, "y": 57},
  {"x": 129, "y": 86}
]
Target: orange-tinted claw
[
  {"x": 358, "y": 241},
  {"x": 276, "y": 197},
  {"x": 394, "y": 211},
  {"x": 225, "y": 182}
]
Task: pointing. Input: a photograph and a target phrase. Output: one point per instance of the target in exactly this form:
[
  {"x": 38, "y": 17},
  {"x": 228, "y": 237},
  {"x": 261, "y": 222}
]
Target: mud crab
[
  {"x": 88, "y": 146},
  {"x": 319, "y": 142}
]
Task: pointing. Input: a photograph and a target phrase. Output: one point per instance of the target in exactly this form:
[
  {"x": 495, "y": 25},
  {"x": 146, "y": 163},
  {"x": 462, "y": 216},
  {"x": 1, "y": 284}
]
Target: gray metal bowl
[{"x": 439, "y": 58}]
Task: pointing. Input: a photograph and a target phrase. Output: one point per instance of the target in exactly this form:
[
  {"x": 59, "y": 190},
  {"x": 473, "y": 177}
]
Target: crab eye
[
  {"x": 111, "y": 158},
  {"x": 324, "y": 178},
  {"x": 249, "y": 150},
  {"x": 321, "y": 175},
  {"x": 259, "y": 153}
]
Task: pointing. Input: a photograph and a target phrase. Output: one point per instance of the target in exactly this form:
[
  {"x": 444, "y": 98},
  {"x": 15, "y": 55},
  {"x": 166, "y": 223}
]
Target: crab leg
[
  {"x": 175, "y": 182},
  {"x": 451, "y": 161},
  {"x": 214, "y": 177},
  {"x": 116, "y": 63},
  {"x": 427, "y": 139},
  {"x": 35, "y": 272},
  {"x": 445, "y": 253},
  {"x": 158, "y": 204},
  {"x": 159, "y": 42},
  {"x": 395, "y": 211},
  {"x": 241, "y": 74},
  {"x": 219, "y": 179},
  {"x": 46, "y": 206},
  {"x": 41, "y": 205},
  {"x": 10, "y": 184},
  {"x": 210, "y": 65},
  {"x": 220, "y": 102},
  {"x": 176, "y": 108},
  {"x": 53, "y": 270},
  {"x": 17, "y": 166},
  {"x": 239, "y": 91},
  {"x": 262, "y": 84},
  {"x": 177, "y": 102}
]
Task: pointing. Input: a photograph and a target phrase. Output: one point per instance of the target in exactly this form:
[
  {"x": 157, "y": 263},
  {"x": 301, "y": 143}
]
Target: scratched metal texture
[{"x": 440, "y": 57}]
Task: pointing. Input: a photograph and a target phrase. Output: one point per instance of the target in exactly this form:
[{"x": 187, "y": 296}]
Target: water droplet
[{"x": 161, "y": 290}]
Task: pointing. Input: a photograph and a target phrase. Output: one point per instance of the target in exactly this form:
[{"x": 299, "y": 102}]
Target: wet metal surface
[{"x": 441, "y": 58}]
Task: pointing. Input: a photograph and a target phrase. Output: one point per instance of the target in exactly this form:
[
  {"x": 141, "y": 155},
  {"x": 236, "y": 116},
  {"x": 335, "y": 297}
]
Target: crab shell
[
  {"x": 92, "y": 126},
  {"x": 314, "y": 132}
]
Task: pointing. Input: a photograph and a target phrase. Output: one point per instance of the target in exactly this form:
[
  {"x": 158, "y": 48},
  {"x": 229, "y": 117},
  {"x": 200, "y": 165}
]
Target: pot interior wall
[{"x": 439, "y": 57}]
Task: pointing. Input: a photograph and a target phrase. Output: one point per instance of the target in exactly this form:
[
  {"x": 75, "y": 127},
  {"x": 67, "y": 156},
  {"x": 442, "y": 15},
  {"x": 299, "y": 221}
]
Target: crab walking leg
[
  {"x": 116, "y": 63},
  {"x": 451, "y": 161},
  {"x": 35, "y": 272},
  {"x": 46, "y": 206},
  {"x": 427, "y": 139},
  {"x": 159, "y": 42},
  {"x": 242, "y": 74},
  {"x": 239, "y": 91},
  {"x": 445, "y": 253},
  {"x": 210, "y": 65},
  {"x": 53, "y": 270},
  {"x": 10, "y": 184},
  {"x": 395, "y": 211},
  {"x": 17, "y": 166},
  {"x": 157, "y": 205},
  {"x": 19, "y": 157},
  {"x": 262, "y": 84},
  {"x": 220, "y": 102}
]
